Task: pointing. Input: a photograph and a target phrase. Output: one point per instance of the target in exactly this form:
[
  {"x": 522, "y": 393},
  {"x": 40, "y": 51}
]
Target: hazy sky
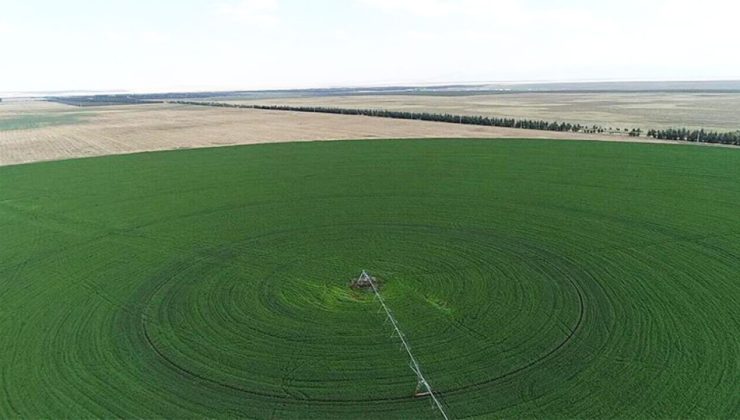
[{"x": 155, "y": 45}]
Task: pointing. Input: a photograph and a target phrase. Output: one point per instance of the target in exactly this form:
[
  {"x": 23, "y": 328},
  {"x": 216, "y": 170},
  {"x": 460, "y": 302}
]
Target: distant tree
[{"x": 683, "y": 134}]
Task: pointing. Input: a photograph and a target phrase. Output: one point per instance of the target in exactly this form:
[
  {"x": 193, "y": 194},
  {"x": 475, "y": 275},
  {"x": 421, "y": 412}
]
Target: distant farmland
[
  {"x": 645, "y": 110},
  {"x": 532, "y": 279},
  {"x": 106, "y": 130}
]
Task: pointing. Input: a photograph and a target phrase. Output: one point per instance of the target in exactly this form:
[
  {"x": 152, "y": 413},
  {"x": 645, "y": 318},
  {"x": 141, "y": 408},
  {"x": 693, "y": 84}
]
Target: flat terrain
[
  {"x": 714, "y": 111},
  {"x": 38, "y": 131},
  {"x": 532, "y": 278}
]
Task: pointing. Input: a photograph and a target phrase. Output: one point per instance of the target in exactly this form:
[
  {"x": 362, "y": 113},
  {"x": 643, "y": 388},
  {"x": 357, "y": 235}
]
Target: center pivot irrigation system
[{"x": 423, "y": 388}]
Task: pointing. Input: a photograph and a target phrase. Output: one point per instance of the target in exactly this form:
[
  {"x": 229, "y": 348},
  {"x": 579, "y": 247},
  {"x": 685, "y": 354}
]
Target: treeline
[
  {"x": 448, "y": 118},
  {"x": 699, "y": 136},
  {"x": 423, "y": 116},
  {"x": 102, "y": 100},
  {"x": 731, "y": 138}
]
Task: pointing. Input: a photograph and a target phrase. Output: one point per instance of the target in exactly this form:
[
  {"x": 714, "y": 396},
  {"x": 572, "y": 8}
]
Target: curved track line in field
[
  {"x": 573, "y": 330},
  {"x": 449, "y": 391},
  {"x": 521, "y": 296}
]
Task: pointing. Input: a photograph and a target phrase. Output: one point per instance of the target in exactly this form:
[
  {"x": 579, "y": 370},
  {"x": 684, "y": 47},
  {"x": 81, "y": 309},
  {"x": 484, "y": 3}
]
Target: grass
[
  {"x": 532, "y": 279},
  {"x": 30, "y": 121}
]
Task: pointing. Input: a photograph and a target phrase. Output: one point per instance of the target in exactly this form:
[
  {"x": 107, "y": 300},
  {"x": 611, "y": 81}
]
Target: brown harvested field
[
  {"x": 713, "y": 111},
  {"x": 80, "y": 132}
]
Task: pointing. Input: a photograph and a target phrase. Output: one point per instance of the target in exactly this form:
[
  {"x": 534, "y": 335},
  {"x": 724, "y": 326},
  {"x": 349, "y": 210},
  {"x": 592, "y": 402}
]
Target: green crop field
[
  {"x": 29, "y": 121},
  {"x": 531, "y": 278}
]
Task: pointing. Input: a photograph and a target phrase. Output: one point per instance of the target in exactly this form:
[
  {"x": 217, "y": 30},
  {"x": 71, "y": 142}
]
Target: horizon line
[{"x": 378, "y": 85}]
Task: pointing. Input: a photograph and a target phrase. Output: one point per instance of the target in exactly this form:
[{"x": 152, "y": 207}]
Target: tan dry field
[
  {"x": 102, "y": 131},
  {"x": 713, "y": 111}
]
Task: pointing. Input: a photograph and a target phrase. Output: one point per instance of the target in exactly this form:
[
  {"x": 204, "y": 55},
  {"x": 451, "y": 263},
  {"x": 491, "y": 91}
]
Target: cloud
[
  {"x": 143, "y": 37},
  {"x": 446, "y": 8},
  {"x": 250, "y": 12},
  {"x": 423, "y": 8}
]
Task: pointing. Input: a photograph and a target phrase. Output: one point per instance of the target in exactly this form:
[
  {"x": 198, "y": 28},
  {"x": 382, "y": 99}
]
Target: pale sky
[{"x": 166, "y": 45}]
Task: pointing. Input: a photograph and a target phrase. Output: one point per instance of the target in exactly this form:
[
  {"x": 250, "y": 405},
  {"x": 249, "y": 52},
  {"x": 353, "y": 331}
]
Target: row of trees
[
  {"x": 423, "y": 116},
  {"x": 700, "y": 136},
  {"x": 682, "y": 134},
  {"x": 101, "y": 100},
  {"x": 448, "y": 118}
]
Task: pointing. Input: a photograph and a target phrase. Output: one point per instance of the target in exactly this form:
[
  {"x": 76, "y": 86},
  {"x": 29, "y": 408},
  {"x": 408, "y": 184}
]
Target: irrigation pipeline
[{"x": 413, "y": 364}]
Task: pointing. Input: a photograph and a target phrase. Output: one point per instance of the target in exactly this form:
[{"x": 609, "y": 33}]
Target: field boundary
[{"x": 726, "y": 138}]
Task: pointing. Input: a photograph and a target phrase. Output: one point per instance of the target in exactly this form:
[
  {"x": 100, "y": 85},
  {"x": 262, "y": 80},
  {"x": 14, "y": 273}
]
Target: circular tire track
[{"x": 188, "y": 372}]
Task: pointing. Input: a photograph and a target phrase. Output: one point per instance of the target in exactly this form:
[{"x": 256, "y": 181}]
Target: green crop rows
[{"x": 532, "y": 278}]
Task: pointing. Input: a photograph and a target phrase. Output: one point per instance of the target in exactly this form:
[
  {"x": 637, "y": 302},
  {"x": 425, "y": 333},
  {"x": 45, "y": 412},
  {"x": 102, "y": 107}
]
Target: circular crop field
[{"x": 530, "y": 278}]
